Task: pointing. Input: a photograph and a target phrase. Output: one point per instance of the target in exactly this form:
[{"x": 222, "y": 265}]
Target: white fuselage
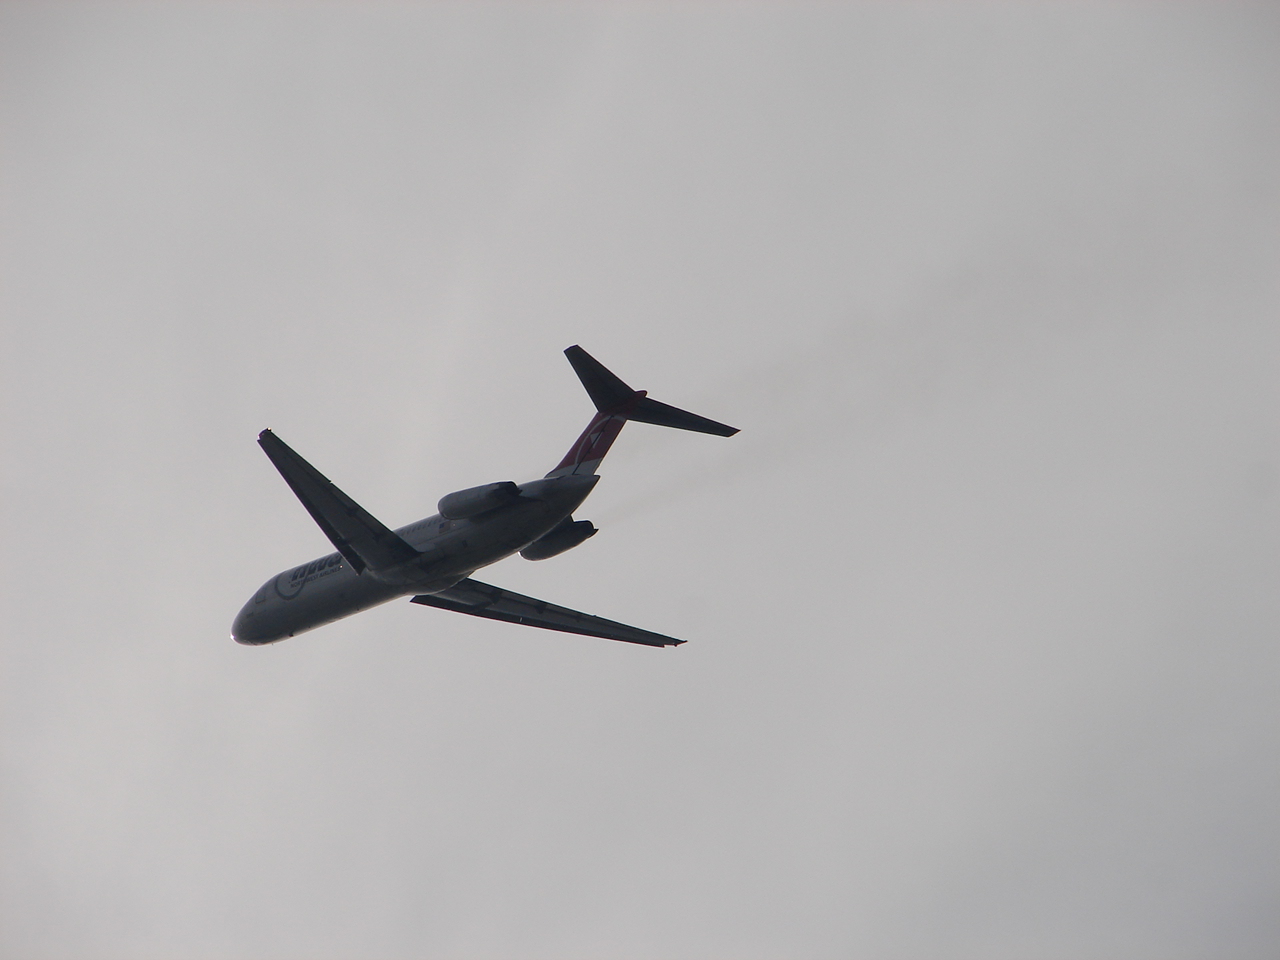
[{"x": 327, "y": 589}]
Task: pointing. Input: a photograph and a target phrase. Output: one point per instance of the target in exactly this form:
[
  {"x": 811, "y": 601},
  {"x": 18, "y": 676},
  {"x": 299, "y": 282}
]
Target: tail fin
[
  {"x": 607, "y": 391},
  {"x": 603, "y": 386},
  {"x": 616, "y": 403}
]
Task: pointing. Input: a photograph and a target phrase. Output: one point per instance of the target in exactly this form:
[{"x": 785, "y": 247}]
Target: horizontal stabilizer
[
  {"x": 482, "y": 600},
  {"x": 664, "y": 415},
  {"x": 361, "y": 539}
]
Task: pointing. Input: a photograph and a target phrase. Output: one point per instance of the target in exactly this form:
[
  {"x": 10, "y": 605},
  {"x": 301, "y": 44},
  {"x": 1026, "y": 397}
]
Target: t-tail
[{"x": 616, "y": 403}]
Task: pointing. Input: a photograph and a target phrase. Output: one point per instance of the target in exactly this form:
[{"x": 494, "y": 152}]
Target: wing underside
[
  {"x": 360, "y": 537},
  {"x": 482, "y": 600}
]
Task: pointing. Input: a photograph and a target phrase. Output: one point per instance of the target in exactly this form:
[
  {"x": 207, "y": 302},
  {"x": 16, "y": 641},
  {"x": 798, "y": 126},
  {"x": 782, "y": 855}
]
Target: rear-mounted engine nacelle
[
  {"x": 473, "y": 501},
  {"x": 564, "y": 537}
]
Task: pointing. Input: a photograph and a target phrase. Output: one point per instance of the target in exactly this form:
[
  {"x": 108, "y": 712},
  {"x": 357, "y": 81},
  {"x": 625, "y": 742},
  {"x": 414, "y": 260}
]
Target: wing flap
[
  {"x": 362, "y": 539},
  {"x": 482, "y": 600}
]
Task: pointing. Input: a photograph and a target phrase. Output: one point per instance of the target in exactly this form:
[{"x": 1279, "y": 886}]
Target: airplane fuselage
[
  {"x": 431, "y": 561},
  {"x": 328, "y": 588}
]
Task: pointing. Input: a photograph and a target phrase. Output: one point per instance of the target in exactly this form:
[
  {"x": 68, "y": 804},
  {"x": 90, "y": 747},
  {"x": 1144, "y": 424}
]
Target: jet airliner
[{"x": 431, "y": 561}]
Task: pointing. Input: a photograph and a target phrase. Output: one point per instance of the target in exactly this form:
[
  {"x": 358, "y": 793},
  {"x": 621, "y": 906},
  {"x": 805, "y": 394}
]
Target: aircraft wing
[
  {"x": 482, "y": 600},
  {"x": 361, "y": 539}
]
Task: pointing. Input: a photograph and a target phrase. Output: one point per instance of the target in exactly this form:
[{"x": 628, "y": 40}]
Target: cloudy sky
[{"x": 981, "y": 604}]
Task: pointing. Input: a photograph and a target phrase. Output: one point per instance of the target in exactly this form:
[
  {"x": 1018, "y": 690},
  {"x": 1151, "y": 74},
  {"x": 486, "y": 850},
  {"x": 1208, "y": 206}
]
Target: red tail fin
[{"x": 589, "y": 449}]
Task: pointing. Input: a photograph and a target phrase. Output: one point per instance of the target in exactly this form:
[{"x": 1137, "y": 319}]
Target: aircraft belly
[
  {"x": 282, "y": 610},
  {"x": 483, "y": 543},
  {"x": 330, "y": 605}
]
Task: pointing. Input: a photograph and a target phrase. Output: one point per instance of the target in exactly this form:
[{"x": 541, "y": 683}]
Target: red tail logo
[{"x": 589, "y": 449}]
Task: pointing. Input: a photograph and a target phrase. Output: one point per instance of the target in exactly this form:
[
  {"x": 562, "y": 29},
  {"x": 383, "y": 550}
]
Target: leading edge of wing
[
  {"x": 482, "y": 600},
  {"x": 360, "y": 537}
]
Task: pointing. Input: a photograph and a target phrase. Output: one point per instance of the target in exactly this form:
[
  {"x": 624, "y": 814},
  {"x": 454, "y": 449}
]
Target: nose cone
[{"x": 250, "y": 627}]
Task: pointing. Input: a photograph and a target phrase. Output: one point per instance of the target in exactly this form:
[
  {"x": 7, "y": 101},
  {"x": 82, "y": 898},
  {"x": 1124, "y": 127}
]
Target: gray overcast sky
[{"x": 982, "y": 602}]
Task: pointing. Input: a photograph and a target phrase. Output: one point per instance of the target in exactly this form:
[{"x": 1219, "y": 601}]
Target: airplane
[{"x": 432, "y": 560}]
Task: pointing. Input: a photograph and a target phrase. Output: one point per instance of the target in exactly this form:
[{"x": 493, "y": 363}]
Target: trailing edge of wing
[
  {"x": 482, "y": 600},
  {"x": 359, "y": 537}
]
